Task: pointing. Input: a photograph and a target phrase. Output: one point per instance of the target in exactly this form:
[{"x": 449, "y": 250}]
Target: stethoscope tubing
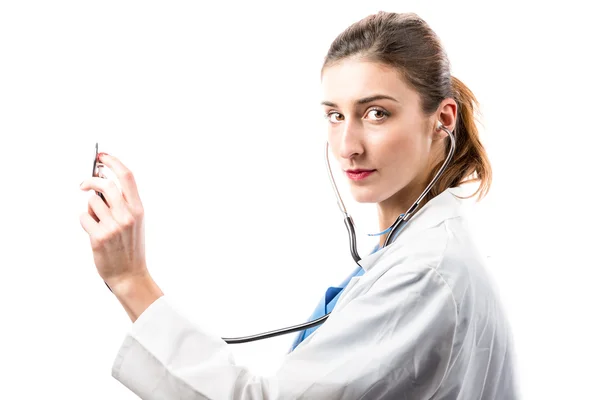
[{"x": 396, "y": 227}]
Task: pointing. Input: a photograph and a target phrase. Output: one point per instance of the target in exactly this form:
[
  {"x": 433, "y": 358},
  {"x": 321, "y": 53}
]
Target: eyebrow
[{"x": 364, "y": 100}]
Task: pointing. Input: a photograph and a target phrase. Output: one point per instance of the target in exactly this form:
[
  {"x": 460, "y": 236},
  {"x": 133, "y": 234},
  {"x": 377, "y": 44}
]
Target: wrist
[{"x": 136, "y": 294}]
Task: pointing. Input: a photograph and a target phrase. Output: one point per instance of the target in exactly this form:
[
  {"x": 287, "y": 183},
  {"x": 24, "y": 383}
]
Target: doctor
[{"x": 420, "y": 320}]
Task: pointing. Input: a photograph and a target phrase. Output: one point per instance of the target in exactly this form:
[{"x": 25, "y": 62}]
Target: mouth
[{"x": 359, "y": 174}]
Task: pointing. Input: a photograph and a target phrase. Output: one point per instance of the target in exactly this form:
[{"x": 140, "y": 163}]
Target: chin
[{"x": 365, "y": 195}]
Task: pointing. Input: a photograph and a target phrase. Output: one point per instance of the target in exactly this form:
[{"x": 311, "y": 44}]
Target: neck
[{"x": 390, "y": 209}]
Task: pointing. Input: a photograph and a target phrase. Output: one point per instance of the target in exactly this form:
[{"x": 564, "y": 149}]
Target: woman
[{"x": 419, "y": 320}]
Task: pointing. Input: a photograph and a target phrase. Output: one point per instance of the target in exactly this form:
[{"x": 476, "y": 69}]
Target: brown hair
[{"x": 406, "y": 42}]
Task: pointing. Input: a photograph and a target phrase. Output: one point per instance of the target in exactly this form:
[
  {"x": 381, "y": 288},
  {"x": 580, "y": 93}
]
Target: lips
[{"x": 359, "y": 174}]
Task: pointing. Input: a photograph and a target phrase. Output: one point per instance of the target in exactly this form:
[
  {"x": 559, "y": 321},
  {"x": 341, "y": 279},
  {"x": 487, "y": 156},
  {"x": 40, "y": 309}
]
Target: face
[{"x": 375, "y": 124}]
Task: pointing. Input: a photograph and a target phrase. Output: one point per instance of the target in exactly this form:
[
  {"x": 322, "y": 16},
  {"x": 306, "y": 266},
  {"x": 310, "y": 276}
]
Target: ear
[{"x": 445, "y": 115}]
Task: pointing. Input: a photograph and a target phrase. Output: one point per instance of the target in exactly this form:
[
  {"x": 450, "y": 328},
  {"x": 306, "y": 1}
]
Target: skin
[
  {"x": 389, "y": 135},
  {"x": 401, "y": 147},
  {"x": 116, "y": 231}
]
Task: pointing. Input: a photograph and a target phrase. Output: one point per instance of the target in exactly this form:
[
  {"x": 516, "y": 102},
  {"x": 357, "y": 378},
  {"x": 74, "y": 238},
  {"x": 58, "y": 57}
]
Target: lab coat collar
[{"x": 442, "y": 207}]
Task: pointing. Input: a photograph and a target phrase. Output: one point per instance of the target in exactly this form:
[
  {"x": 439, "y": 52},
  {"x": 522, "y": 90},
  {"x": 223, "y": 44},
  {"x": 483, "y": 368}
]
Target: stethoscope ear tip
[{"x": 441, "y": 126}]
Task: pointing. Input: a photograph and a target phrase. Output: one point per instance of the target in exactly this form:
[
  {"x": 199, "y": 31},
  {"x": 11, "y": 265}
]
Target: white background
[{"x": 216, "y": 110}]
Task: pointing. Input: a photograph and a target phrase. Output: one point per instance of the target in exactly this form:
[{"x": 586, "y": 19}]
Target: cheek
[
  {"x": 334, "y": 143},
  {"x": 398, "y": 150},
  {"x": 330, "y": 138}
]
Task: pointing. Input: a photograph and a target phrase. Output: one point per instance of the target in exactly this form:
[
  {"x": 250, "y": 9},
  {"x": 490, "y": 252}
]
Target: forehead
[{"x": 353, "y": 79}]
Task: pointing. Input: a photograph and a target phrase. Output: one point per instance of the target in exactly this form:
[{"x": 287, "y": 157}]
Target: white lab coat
[{"x": 423, "y": 322}]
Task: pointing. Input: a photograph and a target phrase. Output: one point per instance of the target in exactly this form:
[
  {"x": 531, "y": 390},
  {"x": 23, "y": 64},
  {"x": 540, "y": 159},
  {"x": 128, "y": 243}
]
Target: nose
[{"x": 351, "y": 141}]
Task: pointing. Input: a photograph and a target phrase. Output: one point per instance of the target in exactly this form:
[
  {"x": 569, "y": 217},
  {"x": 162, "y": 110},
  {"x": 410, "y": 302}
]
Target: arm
[{"x": 394, "y": 340}]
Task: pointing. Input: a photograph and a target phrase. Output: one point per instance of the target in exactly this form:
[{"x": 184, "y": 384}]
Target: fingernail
[{"x": 100, "y": 155}]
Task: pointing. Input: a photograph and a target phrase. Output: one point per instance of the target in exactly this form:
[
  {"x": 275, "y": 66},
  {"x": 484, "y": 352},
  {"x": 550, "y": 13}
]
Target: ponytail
[{"x": 470, "y": 162}]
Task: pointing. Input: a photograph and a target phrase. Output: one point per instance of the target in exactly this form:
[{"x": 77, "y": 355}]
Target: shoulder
[
  {"x": 411, "y": 271},
  {"x": 450, "y": 255},
  {"x": 450, "y": 250},
  {"x": 445, "y": 252},
  {"x": 437, "y": 245}
]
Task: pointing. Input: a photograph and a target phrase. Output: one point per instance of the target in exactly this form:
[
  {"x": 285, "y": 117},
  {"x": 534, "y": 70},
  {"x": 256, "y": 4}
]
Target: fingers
[
  {"x": 92, "y": 213},
  {"x": 121, "y": 208},
  {"x": 89, "y": 224},
  {"x": 99, "y": 235},
  {"x": 110, "y": 210},
  {"x": 111, "y": 192},
  {"x": 125, "y": 176},
  {"x": 115, "y": 210},
  {"x": 98, "y": 209}
]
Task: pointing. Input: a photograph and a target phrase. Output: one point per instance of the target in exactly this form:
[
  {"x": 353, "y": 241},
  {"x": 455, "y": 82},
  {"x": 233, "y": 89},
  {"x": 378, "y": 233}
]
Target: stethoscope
[{"x": 393, "y": 230}]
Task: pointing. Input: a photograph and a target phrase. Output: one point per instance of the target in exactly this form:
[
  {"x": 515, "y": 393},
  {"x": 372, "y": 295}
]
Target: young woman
[{"x": 418, "y": 319}]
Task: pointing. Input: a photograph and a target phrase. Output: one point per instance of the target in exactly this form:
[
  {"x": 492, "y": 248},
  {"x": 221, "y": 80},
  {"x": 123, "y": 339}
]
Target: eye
[
  {"x": 378, "y": 114},
  {"x": 334, "y": 117}
]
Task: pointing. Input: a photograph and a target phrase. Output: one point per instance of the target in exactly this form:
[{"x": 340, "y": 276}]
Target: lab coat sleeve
[{"x": 393, "y": 341}]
